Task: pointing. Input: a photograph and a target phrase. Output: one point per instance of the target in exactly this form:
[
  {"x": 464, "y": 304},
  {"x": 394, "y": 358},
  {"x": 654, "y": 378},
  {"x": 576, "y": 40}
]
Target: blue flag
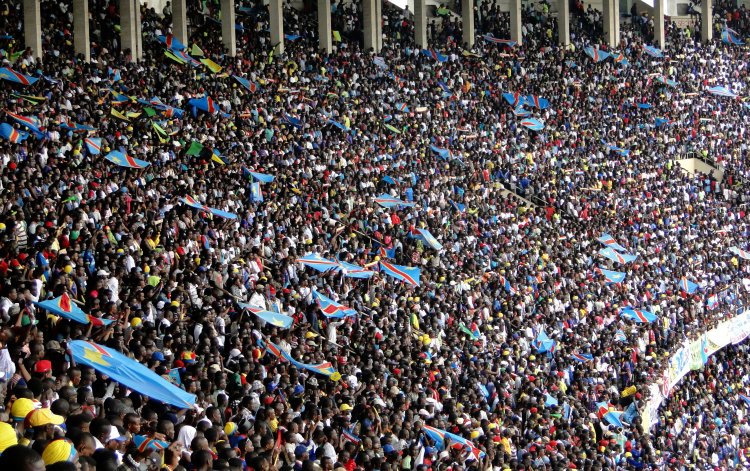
[
  {"x": 595, "y": 53},
  {"x": 12, "y": 134},
  {"x": 409, "y": 275},
  {"x": 16, "y": 77},
  {"x": 130, "y": 373},
  {"x": 435, "y": 55},
  {"x": 615, "y": 256}
]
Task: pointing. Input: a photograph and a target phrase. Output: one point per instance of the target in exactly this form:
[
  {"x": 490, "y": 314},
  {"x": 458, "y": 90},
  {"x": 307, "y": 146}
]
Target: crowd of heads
[{"x": 517, "y": 213}]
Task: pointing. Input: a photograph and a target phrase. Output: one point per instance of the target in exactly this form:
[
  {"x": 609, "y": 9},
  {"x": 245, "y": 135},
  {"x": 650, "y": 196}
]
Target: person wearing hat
[
  {"x": 44, "y": 423},
  {"x": 59, "y": 450},
  {"x": 8, "y": 436}
]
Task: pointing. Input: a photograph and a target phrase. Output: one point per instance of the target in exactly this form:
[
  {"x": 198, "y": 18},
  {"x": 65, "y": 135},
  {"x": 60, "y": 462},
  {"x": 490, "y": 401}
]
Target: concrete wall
[{"x": 696, "y": 165}]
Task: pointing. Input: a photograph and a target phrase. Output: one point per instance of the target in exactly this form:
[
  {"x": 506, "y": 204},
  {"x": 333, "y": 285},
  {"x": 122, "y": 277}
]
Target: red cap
[{"x": 42, "y": 366}]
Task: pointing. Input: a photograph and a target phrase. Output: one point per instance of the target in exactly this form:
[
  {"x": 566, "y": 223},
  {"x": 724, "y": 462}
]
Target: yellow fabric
[{"x": 8, "y": 436}]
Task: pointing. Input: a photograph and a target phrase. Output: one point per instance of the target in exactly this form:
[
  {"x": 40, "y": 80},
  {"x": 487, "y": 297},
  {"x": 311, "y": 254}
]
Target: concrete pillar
[
  {"x": 369, "y": 17},
  {"x": 325, "y": 39},
  {"x": 228, "y": 33},
  {"x": 467, "y": 22},
  {"x": 276, "y": 10},
  {"x": 516, "y": 23},
  {"x": 659, "y": 36},
  {"x": 420, "y": 23},
  {"x": 611, "y": 16},
  {"x": 81, "y": 41},
  {"x": 707, "y": 21},
  {"x": 128, "y": 28},
  {"x": 138, "y": 31},
  {"x": 379, "y": 24},
  {"x": 563, "y": 22},
  {"x": 179, "y": 21},
  {"x": 32, "y": 26}
]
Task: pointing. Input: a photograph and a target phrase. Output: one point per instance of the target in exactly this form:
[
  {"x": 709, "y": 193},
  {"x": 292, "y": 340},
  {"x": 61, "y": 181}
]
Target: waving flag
[
  {"x": 543, "y": 344},
  {"x": 652, "y": 51},
  {"x": 505, "y": 283},
  {"x": 582, "y": 357},
  {"x": 687, "y": 286},
  {"x": 439, "y": 437},
  {"x": 12, "y": 76},
  {"x": 611, "y": 276},
  {"x": 30, "y": 122},
  {"x": 491, "y": 39},
  {"x": 130, "y": 373},
  {"x": 425, "y": 236},
  {"x": 354, "y": 271},
  {"x": 745, "y": 398},
  {"x": 644, "y": 106},
  {"x": 614, "y": 418},
  {"x": 325, "y": 368},
  {"x": 620, "y": 58},
  {"x": 338, "y": 125},
  {"x": 205, "y": 103},
  {"x": 193, "y": 203},
  {"x": 93, "y": 145},
  {"x": 659, "y": 122},
  {"x": 211, "y": 65},
  {"x": 380, "y": 62},
  {"x": 595, "y": 53},
  {"x": 520, "y": 112},
  {"x": 274, "y": 318},
  {"x": 610, "y": 241},
  {"x": 533, "y": 124},
  {"x": 712, "y": 302},
  {"x": 248, "y": 85},
  {"x": 318, "y": 263},
  {"x": 537, "y": 102},
  {"x": 723, "y": 92},
  {"x": 514, "y": 99},
  {"x": 182, "y": 57},
  {"x": 262, "y": 177},
  {"x": 444, "y": 87},
  {"x": 729, "y": 36},
  {"x": 171, "y": 42},
  {"x": 331, "y": 308},
  {"x": 402, "y": 107},
  {"x": 741, "y": 253},
  {"x": 387, "y": 201},
  {"x": 435, "y": 55},
  {"x": 665, "y": 81},
  {"x": 144, "y": 443},
  {"x": 408, "y": 275},
  {"x": 123, "y": 160},
  {"x": 444, "y": 153},
  {"x": 637, "y": 315},
  {"x": 550, "y": 400},
  {"x": 620, "y": 336},
  {"x": 617, "y": 150},
  {"x": 69, "y": 125},
  {"x": 291, "y": 120},
  {"x": 473, "y": 333},
  {"x": 615, "y": 256},
  {"x": 12, "y": 134},
  {"x": 63, "y": 306}
]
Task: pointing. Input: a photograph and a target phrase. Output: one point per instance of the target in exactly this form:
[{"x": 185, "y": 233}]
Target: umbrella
[{"x": 129, "y": 373}]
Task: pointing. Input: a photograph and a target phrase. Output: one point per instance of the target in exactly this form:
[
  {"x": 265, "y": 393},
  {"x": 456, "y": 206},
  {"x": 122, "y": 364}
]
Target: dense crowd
[{"x": 516, "y": 213}]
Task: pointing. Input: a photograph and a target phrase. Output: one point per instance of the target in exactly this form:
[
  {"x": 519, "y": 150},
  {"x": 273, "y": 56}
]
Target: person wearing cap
[
  {"x": 8, "y": 436},
  {"x": 44, "y": 423}
]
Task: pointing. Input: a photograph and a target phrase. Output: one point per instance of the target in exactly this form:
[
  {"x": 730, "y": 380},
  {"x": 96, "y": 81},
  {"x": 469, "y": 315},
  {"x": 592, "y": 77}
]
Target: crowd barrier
[{"x": 692, "y": 356}]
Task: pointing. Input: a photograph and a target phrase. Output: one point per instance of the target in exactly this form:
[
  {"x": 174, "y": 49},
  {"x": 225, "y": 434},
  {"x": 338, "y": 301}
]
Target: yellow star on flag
[{"x": 95, "y": 357}]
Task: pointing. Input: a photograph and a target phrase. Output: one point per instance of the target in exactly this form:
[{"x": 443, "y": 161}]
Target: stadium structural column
[
  {"x": 611, "y": 19},
  {"x": 32, "y": 26},
  {"x": 325, "y": 40},
  {"x": 276, "y": 12},
  {"x": 370, "y": 20},
  {"x": 516, "y": 22},
  {"x": 228, "y": 33},
  {"x": 467, "y": 22},
  {"x": 179, "y": 20},
  {"x": 138, "y": 31},
  {"x": 379, "y": 24},
  {"x": 563, "y": 22},
  {"x": 659, "y": 37},
  {"x": 707, "y": 19},
  {"x": 128, "y": 28},
  {"x": 81, "y": 42},
  {"x": 420, "y": 23}
]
